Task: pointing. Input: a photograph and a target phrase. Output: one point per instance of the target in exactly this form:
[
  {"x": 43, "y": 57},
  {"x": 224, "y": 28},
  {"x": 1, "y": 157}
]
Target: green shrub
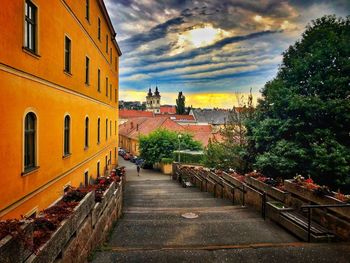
[
  {"x": 188, "y": 157},
  {"x": 167, "y": 160}
]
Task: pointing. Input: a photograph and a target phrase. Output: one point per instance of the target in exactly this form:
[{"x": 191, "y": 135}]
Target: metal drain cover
[{"x": 190, "y": 215}]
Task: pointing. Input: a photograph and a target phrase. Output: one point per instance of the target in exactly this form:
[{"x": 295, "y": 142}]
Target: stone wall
[
  {"x": 77, "y": 236},
  {"x": 249, "y": 192}
]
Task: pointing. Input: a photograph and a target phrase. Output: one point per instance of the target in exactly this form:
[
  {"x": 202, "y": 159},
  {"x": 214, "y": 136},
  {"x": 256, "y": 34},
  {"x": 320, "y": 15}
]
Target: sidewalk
[{"x": 145, "y": 174}]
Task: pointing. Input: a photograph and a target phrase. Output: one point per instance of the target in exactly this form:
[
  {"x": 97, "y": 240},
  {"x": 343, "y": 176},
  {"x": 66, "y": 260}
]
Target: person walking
[{"x": 138, "y": 170}]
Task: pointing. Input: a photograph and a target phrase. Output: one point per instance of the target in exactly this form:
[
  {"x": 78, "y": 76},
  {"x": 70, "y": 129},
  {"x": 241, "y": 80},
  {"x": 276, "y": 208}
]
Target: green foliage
[
  {"x": 180, "y": 104},
  {"x": 166, "y": 160},
  {"x": 232, "y": 152},
  {"x": 301, "y": 125},
  {"x": 188, "y": 157},
  {"x": 161, "y": 143}
]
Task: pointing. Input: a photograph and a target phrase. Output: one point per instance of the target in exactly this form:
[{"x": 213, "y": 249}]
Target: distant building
[
  {"x": 132, "y": 105},
  {"x": 215, "y": 117},
  {"x": 125, "y": 115},
  {"x": 153, "y": 101}
]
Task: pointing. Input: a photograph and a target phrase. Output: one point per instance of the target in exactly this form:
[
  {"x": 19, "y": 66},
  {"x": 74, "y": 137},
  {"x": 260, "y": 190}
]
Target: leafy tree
[
  {"x": 302, "y": 122},
  {"x": 180, "y": 104},
  {"x": 232, "y": 152},
  {"x": 162, "y": 143}
]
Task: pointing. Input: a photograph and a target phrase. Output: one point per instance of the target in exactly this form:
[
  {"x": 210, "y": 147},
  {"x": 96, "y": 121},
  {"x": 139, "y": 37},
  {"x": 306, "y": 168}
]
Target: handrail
[{"x": 309, "y": 211}]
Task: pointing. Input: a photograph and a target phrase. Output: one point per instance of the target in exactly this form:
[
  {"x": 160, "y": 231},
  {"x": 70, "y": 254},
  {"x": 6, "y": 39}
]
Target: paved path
[{"x": 153, "y": 230}]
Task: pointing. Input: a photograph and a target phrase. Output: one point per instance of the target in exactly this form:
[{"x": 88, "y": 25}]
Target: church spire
[{"x": 156, "y": 92}]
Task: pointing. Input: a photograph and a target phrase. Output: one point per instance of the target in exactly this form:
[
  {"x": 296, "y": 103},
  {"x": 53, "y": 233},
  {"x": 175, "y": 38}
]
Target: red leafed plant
[{"x": 10, "y": 227}]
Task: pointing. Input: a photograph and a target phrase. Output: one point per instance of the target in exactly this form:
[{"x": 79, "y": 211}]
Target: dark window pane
[
  {"x": 30, "y": 26},
  {"x": 66, "y": 135},
  {"x": 29, "y": 141}
]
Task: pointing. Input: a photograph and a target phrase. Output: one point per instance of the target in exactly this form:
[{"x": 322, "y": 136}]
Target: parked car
[
  {"x": 121, "y": 152},
  {"x": 133, "y": 160},
  {"x": 139, "y": 161},
  {"x": 126, "y": 156}
]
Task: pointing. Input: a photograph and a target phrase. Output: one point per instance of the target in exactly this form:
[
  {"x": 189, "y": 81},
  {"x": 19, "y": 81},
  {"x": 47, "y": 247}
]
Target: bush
[
  {"x": 188, "y": 157},
  {"x": 167, "y": 160}
]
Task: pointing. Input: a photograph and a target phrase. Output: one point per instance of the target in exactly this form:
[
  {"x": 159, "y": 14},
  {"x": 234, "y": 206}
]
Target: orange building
[{"x": 58, "y": 101}]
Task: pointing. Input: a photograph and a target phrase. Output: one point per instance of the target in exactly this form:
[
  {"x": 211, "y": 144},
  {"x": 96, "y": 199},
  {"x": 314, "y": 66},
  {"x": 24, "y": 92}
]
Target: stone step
[
  {"x": 195, "y": 232},
  {"x": 177, "y": 203}
]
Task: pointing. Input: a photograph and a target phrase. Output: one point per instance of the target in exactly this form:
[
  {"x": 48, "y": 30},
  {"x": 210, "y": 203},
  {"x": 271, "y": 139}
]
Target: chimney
[
  {"x": 137, "y": 127},
  {"x": 132, "y": 125}
]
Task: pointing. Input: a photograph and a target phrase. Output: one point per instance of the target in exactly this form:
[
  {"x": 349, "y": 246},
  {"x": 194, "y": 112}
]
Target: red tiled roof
[
  {"x": 167, "y": 109},
  {"x": 199, "y": 128},
  {"x": 125, "y": 114},
  {"x": 145, "y": 125}
]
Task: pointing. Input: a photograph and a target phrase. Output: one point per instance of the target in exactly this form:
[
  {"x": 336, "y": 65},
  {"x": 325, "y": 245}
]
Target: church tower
[{"x": 153, "y": 101}]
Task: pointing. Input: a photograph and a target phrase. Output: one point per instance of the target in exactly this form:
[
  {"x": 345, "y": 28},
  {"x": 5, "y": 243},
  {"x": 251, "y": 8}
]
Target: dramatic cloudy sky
[{"x": 209, "y": 49}]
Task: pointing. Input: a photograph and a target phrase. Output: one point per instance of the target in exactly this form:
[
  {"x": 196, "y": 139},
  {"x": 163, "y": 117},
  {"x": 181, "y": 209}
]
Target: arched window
[
  {"x": 98, "y": 130},
  {"x": 106, "y": 129},
  {"x": 30, "y": 141},
  {"x": 86, "y": 132},
  {"x": 110, "y": 128},
  {"x": 67, "y": 135}
]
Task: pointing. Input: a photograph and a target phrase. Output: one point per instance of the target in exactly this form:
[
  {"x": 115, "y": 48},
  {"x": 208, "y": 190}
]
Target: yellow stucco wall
[{"x": 39, "y": 84}]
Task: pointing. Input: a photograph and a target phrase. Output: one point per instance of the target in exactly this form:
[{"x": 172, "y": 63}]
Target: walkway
[{"x": 153, "y": 230}]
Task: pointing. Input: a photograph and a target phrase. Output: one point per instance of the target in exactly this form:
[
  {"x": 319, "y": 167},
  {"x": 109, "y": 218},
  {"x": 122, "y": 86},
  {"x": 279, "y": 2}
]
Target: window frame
[
  {"x": 99, "y": 29},
  {"x": 67, "y": 151},
  {"x": 98, "y": 130},
  {"x": 31, "y": 22},
  {"x": 87, "y": 70},
  {"x": 86, "y": 132},
  {"x": 87, "y": 10},
  {"x": 99, "y": 80},
  {"x": 107, "y": 87},
  {"x": 69, "y": 70},
  {"x": 106, "y": 129},
  {"x": 25, "y": 168}
]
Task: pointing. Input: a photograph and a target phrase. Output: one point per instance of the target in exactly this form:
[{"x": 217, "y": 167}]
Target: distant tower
[{"x": 153, "y": 101}]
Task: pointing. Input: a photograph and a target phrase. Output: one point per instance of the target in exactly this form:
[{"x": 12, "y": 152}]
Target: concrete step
[
  {"x": 195, "y": 232},
  {"x": 201, "y": 202}
]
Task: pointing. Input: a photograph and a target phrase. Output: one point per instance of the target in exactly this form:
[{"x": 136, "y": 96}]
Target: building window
[
  {"x": 99, "y": 80},
  {"x": 67, "y": 55},
  {"x": 115, "y": 95},
  {"x": 110, "y": 92},
  {"x": 106, "y": 129},
  {"x": 110, "y": 54},
  {"x": 115, "y": 127},
  {"x": 107, "y": 44},
  {"x": 110, "y": 128},
  {"x": 30, "y": 30},
  {"x": 87, "y": 10},
  {"x": 87, "y": 65},
  {"x": 99, "y": 29},
  {"x": 116, "y": 64},
  {"x": 106, "y": 162},
  {"x": 86, "y": 132},
  {"x": 67, "y": 135},
  {"x": 30, "y": 141},
  {"x": 107, "y": 86},
  {"x": 86, "y": 178},
  {"x": 98, "y": 169},
  {"x": 98, "y": 130}
]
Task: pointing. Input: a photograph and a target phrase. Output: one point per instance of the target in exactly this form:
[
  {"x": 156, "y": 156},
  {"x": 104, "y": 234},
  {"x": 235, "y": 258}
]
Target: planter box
[
  {"x": 100, "y": 207},
  {"x": 232, "y": 180},
  {"x": 53, "y": 247},
  {"x": 274, "y": 208},
  {"x": 13, "y": 250},
  {"x": 166, "y": 168},
  {"x": 309, "y": 195},
  {"x": 271, "y": 191}
]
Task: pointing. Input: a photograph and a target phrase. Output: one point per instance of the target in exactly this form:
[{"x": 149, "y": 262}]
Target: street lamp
[{"x": 179, "y": 137}]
